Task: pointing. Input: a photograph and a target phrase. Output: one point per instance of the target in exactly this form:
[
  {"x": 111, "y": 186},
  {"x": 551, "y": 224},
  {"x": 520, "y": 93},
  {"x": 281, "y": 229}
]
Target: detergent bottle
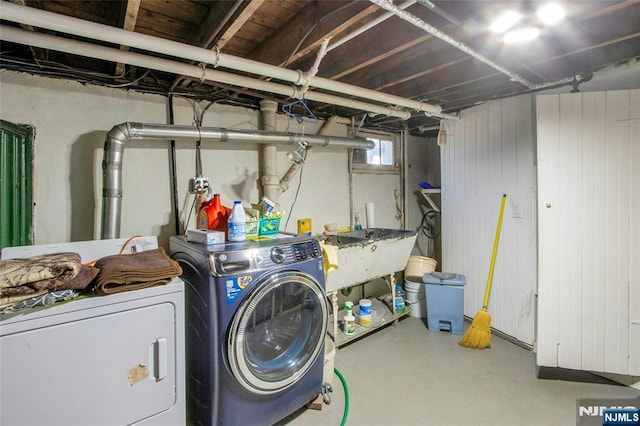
[
  {"x": 399, "y": 301},
  {"x": 212, "y": 214},
  {"x": 237, "y": 223},
  {"x": 203, "y": 213}
]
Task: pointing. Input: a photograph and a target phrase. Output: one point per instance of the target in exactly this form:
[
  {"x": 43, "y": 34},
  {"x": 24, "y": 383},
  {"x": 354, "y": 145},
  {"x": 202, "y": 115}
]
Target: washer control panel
[
  {"x": 306, "y": 250},
  {"x": 278, "y": 255},
  {"x": 250, "y": 259}
]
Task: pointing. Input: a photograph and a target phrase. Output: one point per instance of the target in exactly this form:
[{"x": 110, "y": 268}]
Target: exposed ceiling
[{"x": 395, "y": 56}]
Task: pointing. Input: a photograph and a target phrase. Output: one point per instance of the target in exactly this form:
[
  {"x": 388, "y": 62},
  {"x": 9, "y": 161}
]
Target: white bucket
[
  {"x": 329, "y": 354},
  {"x": 417, "y": 266},
  {"x": 415, "y": 295}
]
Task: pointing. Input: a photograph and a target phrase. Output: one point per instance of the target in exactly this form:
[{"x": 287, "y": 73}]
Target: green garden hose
[{"x": 346, "y": 396}]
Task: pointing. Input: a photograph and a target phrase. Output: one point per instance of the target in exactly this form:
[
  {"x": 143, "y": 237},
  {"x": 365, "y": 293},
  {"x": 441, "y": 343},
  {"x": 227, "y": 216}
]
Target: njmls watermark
[{"x": 608, "y": 411}]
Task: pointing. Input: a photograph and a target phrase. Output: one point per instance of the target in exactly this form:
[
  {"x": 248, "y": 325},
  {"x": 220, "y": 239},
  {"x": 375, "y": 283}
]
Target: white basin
[{"x": 367, "y": 254}]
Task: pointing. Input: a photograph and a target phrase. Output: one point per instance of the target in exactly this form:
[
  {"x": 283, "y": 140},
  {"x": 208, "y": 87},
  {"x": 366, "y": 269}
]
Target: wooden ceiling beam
[
  {"x": 130, "y": 19},
  {"x": 212, "y": 24},
  {"x": 322, "y": 16},
  {"x": 38, "y": 53},
  {"x": 237, "y": 23},
  {"x": 392, "y": 47},
  {"x": 382, "y": 56}
]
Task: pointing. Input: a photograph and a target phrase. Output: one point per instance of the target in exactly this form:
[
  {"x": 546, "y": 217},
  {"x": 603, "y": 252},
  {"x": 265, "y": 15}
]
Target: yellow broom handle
[{"x": 493, "y": 255}]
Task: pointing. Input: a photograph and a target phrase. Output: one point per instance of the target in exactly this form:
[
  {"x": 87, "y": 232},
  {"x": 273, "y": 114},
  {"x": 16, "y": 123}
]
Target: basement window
[{"x": 380, "y": 159}]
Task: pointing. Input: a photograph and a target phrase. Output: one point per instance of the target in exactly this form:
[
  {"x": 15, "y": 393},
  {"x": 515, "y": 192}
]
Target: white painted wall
[
  {"x": 490, "y": 151},
  {"x": 589, "y": 231},
  {"x": 423, "y": 165},
  {"x": 72, "y": 119}
]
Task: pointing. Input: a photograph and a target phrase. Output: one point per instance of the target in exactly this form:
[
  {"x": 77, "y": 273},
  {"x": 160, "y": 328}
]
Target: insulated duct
[
  {"x": 414, "y": 20},
  {"x": 119, "y": 135}
]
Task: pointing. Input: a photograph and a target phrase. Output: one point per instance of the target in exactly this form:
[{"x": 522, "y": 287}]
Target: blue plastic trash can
[{"x": 444, "y": 293}]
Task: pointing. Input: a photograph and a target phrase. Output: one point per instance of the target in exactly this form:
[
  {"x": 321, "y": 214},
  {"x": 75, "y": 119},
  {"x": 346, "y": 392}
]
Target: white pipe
[
  {"x": 414, "y": 20},
  {"x": 66, "y": 24},
  {"x": 316, "y": 65},
  {"x": 293, "y": 169},
  {"x": 46, "y": 41},
  {"x": 368, "y": 26},
  {"x": 269, "y": 178}
]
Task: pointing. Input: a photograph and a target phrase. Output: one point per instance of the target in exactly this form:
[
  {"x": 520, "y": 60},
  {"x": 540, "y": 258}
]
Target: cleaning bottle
[
  {"x": 356, "y": 222},
  {"x": 203, "y": 213},
  {"x": 237, "y": 223},
  {"x": 212, "y": 214},
  {"x": 399, "y": 300},
  {"x": 349, "y": 319}
]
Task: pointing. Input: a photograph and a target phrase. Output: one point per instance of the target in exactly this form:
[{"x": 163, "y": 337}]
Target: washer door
[{"x": 278, "y": 332}]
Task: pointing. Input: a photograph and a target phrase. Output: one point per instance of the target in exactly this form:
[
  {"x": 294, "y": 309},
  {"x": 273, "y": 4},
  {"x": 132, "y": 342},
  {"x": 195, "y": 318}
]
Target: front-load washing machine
[{"x": 256, "y": 318}]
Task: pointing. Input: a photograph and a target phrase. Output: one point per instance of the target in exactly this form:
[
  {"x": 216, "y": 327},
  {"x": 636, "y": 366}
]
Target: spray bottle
[{"x": 349, "y": 319}]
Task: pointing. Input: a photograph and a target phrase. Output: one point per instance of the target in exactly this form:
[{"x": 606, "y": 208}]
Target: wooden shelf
[{"x": 426, "y": 193}]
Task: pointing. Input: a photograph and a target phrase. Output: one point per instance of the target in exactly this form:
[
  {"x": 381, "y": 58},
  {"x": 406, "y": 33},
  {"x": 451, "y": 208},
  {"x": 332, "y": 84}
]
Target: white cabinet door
[
  {"x": 589, "y": 231},
  {"x": 107, "y": 369}
]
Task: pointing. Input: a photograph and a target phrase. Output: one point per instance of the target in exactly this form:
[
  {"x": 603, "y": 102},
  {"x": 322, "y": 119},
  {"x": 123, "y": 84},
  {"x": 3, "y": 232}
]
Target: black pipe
[{"x": 174, "y": 177}]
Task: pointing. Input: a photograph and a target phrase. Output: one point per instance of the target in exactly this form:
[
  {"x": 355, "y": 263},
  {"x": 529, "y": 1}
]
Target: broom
[{"x": 478, "y": 334}]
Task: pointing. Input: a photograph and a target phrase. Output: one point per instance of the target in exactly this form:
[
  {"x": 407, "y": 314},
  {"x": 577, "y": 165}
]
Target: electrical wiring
[
  {"x": 313, "y": 27},
  {"x": 295, "y": 198},
  {"x": 428, "y": 222},
  {"x": 426, "y": 228}
]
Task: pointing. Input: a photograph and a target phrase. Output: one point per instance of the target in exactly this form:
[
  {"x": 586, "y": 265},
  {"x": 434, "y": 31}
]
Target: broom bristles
[{"x": 478, "y": 335}]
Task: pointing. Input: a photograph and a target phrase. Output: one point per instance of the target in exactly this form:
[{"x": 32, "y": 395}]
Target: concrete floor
[{"x": 409, "y": 375}]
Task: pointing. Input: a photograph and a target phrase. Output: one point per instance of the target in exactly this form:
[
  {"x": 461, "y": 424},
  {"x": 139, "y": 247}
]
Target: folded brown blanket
[
  {"x": 49, "y": 270},
  {"x": 24, "y": 278},
  {"x": 123, "y": 272}
]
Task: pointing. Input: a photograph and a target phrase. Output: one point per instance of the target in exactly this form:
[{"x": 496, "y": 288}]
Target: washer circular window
[{"x": 278, "y": 332}]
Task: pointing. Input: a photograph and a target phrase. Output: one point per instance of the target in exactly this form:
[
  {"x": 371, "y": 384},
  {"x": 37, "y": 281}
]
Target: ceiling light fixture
[
  {"x": 517, "y": 27},
  {"x": 550, "y": 13},
  {"x": 505, "y": 21},
  {"x": 521, "y": 35}
]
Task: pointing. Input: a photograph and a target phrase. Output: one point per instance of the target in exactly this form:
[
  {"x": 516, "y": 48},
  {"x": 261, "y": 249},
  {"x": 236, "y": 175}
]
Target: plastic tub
[
  {"x": 365, "y": 306},
  {"x": 329, "y": 354},
  {"x": 417, "y": 266},
  {"x": 415, "y": 294},
  {"x": 375, "y": 317}
]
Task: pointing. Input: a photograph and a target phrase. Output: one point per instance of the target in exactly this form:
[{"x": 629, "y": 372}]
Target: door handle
[{"x": 160, "y": 359}]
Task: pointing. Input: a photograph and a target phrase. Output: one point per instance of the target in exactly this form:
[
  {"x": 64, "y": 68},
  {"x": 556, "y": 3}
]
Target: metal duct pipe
[
  {"x": 46, "y": 41},
  {"x": 65, "y": 24},
  {"x": 414, "y": 20},
  {"x": 119, "y": 135}
]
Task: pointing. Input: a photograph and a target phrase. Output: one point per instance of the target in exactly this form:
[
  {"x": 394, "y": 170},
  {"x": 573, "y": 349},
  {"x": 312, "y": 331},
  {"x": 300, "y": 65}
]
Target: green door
[{"x": 16, "y": 185}]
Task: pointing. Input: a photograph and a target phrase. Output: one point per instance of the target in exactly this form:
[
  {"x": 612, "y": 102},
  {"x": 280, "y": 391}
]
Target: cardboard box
[{"x": 205, "y": 236}]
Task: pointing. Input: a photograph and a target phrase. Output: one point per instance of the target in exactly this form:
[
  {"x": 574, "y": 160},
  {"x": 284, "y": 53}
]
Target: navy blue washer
[{"x": 256, "y": 323}]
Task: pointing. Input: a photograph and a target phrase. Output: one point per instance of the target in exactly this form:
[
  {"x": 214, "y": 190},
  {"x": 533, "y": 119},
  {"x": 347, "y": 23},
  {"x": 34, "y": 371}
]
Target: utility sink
[
  {"x": 366, "y": 254},
  {"x": 367, "y": 236}
]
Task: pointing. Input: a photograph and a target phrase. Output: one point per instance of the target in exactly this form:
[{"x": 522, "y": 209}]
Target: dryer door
[{"x": 278, "y": 332}]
